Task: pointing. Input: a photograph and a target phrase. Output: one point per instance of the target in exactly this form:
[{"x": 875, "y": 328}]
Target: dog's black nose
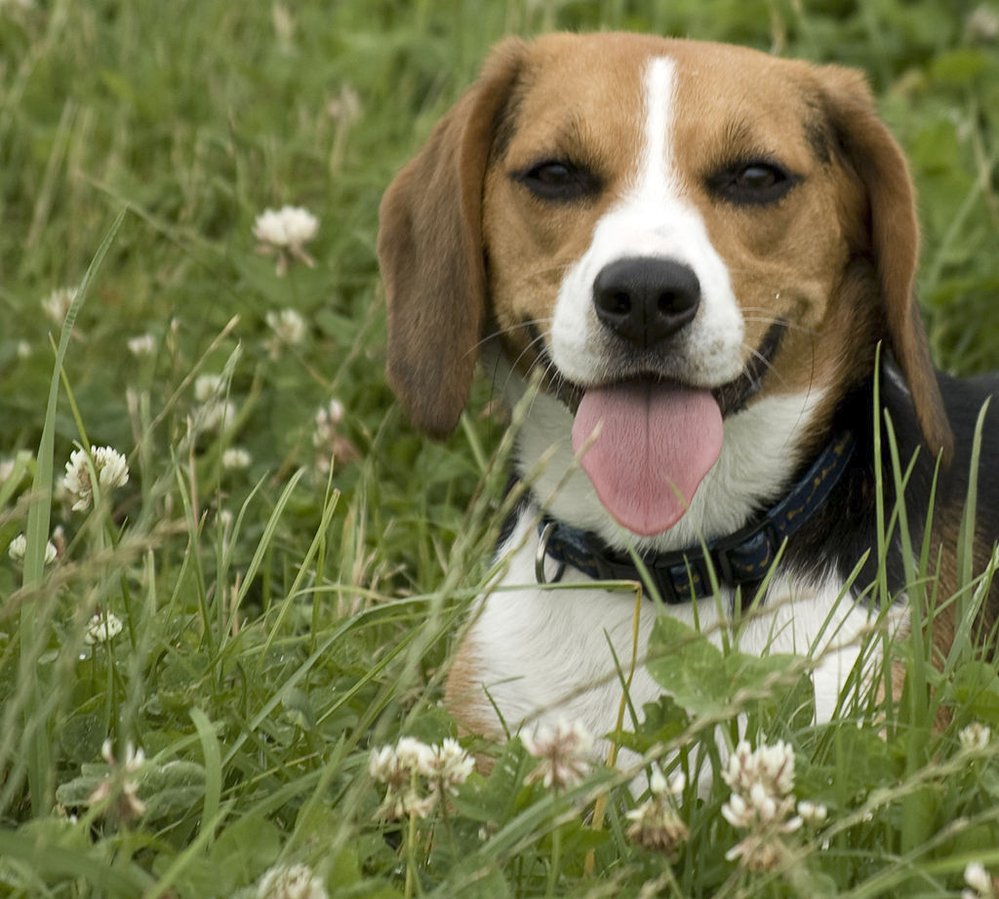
[{"x": 646, "y": 300}]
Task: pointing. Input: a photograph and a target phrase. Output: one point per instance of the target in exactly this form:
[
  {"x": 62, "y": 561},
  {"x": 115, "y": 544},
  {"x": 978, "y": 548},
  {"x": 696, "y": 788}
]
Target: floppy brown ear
[
  {"x": 894, "y": 240},
  {"x": 431, "y": 255}
]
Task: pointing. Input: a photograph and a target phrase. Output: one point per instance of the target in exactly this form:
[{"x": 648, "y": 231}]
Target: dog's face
[
  {"x": 671, "y": 231},
  {"x": 701, "y": 178}
]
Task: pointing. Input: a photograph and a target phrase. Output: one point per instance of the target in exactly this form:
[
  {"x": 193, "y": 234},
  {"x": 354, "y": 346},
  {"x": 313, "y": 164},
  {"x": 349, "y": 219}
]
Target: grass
[{"x": 281, "y": 620}]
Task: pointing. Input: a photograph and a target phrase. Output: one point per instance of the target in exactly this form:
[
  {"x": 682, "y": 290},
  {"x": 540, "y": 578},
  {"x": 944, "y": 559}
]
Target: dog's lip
[{"x": 731, "y": 396}]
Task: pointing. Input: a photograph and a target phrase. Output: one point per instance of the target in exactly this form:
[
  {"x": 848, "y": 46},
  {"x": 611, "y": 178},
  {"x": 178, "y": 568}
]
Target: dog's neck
[
  {"x": 764, "y": 446},
  {"x": 742, "y": 559}
]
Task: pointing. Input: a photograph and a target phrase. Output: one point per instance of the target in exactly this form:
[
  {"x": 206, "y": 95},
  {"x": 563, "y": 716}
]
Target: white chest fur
[{"x": 544, "y": 654}]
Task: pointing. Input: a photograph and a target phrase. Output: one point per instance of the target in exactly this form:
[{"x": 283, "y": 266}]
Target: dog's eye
[
  {"x": 752, "y": 184},
  {"x": 757, "y": 178},
  {"x": 558, "y": 180}
]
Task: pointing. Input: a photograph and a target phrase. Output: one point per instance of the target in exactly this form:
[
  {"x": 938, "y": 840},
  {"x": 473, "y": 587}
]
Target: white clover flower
[
  {"x": 327, "y": 439},
  {"x": 983, "y": 24},
  {"x": 286, "y": 227},
  {"x": 758, "y": 852},
  {"x": 24, "y": 349},
  {"x": 19, "y": 547},
  {"x": 982, "y": 884},
  {"x": 209, "y": 387},
  {"x": 564, "y": 753},
  {"x": 739, "y": 813},
  {"x": 773, "y": 766},
  {"x": 406, "y": 803},
  {"x": 812, "y": 813},
  {"x": 288, "y": 326},
  {"x": 142, "y": 345},
  {"x": 764, "y": 804},
  {"x": 327, "y": 419},
  {"x": 384, "y": 767},
  {"x": 103, "y": 627},
  {"x": 119, "y": 784},
  {"x": 656, "y": 824},
  {"x": 134, "y": 758},
  {"x": 215, "y": 412},
  {"x": 404, "y": 769},
  {"x": 236, "y": 458},
  {"x": 450, "y": 767},
  {"x": 57, "y": 304},
  {"x": 974, "y": 736},
  {"x": 418, "y": 775},
  {"x": 109, "y": 465},
  {"x": 345, "y": 108},
  {"x": 761, "y": 802},
  {"x": 291, "y": 882},
  {"x": 284, "y": 233},
  {"x": 215, "y": 415},
  {"x": 415, "y": 756}
]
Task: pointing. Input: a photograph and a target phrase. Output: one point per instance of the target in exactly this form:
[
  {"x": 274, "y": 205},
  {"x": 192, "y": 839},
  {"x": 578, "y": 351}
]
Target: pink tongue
[{"x": 656, "y": 444}]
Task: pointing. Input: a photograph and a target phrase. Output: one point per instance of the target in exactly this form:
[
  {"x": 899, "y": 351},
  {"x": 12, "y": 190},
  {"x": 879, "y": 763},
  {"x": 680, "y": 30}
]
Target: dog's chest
[{"x": 548, "y": 653}]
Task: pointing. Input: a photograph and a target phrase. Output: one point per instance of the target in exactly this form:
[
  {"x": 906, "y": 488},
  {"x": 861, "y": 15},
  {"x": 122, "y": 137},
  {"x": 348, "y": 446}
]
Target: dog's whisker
[
  {"x": 767, "y": 316},
  {"x": 769, "y": 320},
  {"x": 549, "y": 364},
  {"x": 765, "y": 362},
  {"x": 510, "y": 329},
  {"x": 507, "y": 330}
]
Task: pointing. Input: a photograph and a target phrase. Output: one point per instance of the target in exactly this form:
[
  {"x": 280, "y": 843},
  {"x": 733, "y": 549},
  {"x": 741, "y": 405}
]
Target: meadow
[{"x": 205, "y": 681}]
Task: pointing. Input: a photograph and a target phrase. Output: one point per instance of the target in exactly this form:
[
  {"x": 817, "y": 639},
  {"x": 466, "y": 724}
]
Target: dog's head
[{"x": 671, "y": 229}]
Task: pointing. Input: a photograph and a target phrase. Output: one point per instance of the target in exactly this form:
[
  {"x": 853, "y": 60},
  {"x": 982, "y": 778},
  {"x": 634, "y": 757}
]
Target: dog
[{"x": 704, "y": 257}]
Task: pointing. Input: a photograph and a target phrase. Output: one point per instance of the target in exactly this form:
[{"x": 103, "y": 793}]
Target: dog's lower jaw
[{"x": 532, "y": 656}]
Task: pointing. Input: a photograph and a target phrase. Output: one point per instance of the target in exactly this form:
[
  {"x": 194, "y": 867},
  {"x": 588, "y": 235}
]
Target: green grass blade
[
  {"x": 37, "y": 531},
  {"x": 213, "y": 767},
  {"x": 266, "y": 538}
]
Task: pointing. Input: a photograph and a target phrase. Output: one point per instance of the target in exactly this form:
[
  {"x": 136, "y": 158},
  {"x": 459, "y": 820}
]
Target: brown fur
[{"x": 463, "y": 694}]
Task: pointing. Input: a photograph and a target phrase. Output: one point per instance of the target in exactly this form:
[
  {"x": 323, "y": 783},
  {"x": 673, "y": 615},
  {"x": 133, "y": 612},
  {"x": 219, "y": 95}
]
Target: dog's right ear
[{"x": 431, "y": 255}]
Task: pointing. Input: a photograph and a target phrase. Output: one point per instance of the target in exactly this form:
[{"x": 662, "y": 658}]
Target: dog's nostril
[
  {"x": 618, "y": 303},
  {"x": 669, "y": 301}
]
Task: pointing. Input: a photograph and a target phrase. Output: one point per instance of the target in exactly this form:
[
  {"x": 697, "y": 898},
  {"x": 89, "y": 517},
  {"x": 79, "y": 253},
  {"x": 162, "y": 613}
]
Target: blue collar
[{"x": 680, "y": 577}]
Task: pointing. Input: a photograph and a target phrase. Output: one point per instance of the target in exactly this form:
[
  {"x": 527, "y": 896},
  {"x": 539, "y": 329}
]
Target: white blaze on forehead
[
  {"x": 654, "y": 218},
  {"x": 657, "y": 175}
]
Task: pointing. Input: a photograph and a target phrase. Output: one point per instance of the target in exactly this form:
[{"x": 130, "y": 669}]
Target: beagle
[{"x": 696, "y": 250}]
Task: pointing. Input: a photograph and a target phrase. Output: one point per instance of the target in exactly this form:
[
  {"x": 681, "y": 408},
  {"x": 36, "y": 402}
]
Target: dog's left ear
[
  {"x": 879, "y": 163},
  {"x": 431, "y": 254}
]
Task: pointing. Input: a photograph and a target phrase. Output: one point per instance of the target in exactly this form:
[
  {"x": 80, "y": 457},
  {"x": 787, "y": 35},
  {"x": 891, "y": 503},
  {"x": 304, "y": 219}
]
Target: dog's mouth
[{"x": 647, "y": 443}]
